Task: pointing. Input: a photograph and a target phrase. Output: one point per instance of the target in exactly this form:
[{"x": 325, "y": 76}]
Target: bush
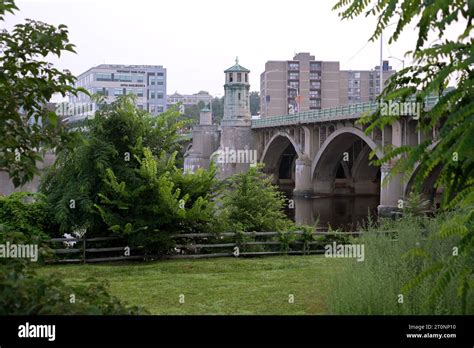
[
  {"x": 374, "y": 285},
  {"x": 27, "y": 214},
  {"x": 114, "y": 142},
  {"x": 158, "y": 202},
  {"x": 23, "y": 292},
  {"x": 250, "y": 202}
]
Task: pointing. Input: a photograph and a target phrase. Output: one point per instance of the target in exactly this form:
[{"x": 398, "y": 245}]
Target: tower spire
[{"x": 237, "y": 60}]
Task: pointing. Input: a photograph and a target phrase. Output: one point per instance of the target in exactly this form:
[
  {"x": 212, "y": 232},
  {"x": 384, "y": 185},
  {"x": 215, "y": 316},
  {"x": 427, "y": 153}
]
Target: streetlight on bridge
[{"x": 400, "y": 60}]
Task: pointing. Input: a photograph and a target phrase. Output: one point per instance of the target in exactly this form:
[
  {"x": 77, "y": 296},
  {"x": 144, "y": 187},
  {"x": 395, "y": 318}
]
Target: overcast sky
[{"x": 197, "y": 40}]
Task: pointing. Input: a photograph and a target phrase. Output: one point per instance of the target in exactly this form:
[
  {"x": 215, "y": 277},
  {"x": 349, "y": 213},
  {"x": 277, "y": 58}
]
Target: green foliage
[
  {"x": 27, "y": 83},
  {"x": 415, "y": 204},
  {"x": 217, "y": 109},
  {"x": 286, "y": 238},
  {"x": 391, "y": 261},
  {"x": 114, "y": 143},
  {"x": 307, "y": 237},
  {"x": 192, "y": 112},
  {"x": 158, "y": 201},
  {"x": 458, "y": 270},
  {"x": 250, "y": 202},
  {"x": 25, "y": 218},
  {"x": 254, "y": 102},
  {"x": 450, "y": 151},
  {"x": 24, "y": 292},
  {"x": 433, "y": 68}
]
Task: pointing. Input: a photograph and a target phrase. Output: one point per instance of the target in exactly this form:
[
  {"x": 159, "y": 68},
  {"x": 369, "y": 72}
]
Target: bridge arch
[
  {"x": 272, "y": 142},
  {"x": 343, "y": 159},
  {"x": 428, "y": 188},
  {"x": 279, "y": 158}
]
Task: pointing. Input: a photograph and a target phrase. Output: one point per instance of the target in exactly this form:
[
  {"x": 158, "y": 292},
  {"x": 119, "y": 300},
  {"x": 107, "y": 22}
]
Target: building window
[
  {"x": 294, "y": 84},
  {"x": 159, "y": 96},
  {"x": 160, "y": 83},
  {"x": 152, "y": 109},
  {"x": 313, "y": 94},
  {"x": 152, "y": 95},
  {"x": 315, "y": 84},
  {"x": 239, "y": 77},
  {"x": 293, "y": 66},
  {"x": 354, "y": 83},
  {"x": 123, "y": 78},
  {"x": 103, "y": 77},
  {"x": 239, "y": 96},
  {"x": 118, "y": 91},
  {"x": 314, "y": 103},
  {"x": 159, "y": 109},
  {"x": 293, "y": 76},
  {"x": 314, "y": 66},
  {"x": 139, "y": 92},
  {"x": 314, "y": 76},
  {"x": 102, "y": 91},
  {"x": 292, "y": 93},
  {"x": 246, "y": 78},
  {"x": 231, "y": 77},
  {"x": 140, "y": 106},
  {"x": 160, "y": 74}
]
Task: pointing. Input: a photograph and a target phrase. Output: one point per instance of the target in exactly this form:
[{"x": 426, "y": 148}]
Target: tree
[
  {"x": 217, "y": 109},
  {"x": 157, "y": 202},
  {"x": 250, "y": 202},
  {"x": 435, "y": 65},
  {"x": 27, "y": 84},
  {"x": 114, "y": 141},
  {"x": 254, "y": 103},
  {"x": 192, "y": 112}
]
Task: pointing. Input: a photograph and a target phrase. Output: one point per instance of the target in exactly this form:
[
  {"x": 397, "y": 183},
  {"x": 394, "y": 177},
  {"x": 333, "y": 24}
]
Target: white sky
[{"x": 197, "y": 40}]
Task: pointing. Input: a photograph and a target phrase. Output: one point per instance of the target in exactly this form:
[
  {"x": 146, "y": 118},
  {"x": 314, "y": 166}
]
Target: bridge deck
[{"x": 328, "y": 114}]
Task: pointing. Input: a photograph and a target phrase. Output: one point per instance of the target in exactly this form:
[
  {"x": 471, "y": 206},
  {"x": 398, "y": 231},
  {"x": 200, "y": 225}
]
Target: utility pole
[{"x": 381, "y": 63}]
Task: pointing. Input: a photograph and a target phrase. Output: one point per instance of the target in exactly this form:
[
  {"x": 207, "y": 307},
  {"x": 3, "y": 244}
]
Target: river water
[{"x": 343, "y": 212}]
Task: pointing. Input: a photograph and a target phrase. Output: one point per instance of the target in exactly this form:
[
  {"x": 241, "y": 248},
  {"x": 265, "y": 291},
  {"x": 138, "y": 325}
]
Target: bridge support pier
[
  {"x": 303, "y": 185},
  {"x": 390, "y": 193}
]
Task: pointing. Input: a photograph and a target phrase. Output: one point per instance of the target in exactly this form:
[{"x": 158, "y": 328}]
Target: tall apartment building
[
  {"x": 358, "y": 86},
  {"x": 147, "y": 82},
  {"x": 305, "y": 83}
]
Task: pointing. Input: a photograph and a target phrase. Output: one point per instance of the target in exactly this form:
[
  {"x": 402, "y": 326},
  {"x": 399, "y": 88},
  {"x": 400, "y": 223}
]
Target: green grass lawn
[{"x": 216, "y": 286}]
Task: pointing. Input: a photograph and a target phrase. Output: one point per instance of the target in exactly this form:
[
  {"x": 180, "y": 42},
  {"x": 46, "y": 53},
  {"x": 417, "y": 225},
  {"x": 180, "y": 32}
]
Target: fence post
[{"x": 84, "y": 249}]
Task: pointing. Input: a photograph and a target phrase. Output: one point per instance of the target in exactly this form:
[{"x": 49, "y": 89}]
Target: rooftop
[{"x": 237, "y": 67}]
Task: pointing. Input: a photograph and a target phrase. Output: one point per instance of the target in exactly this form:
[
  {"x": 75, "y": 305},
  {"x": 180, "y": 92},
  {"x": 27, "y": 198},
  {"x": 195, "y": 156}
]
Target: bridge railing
[{"x": 327, "y": 114}]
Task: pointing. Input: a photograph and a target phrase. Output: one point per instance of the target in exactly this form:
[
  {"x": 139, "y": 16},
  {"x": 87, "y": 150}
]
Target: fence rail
[{"x": 195, "y": 246}]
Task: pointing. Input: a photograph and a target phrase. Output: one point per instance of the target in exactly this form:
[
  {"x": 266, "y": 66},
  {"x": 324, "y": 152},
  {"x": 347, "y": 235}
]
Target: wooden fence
[{"x": 195, "y": 245}]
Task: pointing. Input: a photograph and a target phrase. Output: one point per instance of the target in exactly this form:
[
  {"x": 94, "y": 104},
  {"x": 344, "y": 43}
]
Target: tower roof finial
[{"x": 237, "y": 60}]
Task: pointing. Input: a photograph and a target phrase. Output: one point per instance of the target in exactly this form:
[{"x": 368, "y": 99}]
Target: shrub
[
  {"x": 114, "y": 142},
  {"x": 23, "y": 292},
  {"x": 27, "y": 214},
  {"x": 392, "y": 260},
  {"x": 250, "y": 202},
  {"x": 159, "y": 201}
]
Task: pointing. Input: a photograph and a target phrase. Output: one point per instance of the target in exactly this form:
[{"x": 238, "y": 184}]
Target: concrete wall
[{"x": 7, "y": 187}]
